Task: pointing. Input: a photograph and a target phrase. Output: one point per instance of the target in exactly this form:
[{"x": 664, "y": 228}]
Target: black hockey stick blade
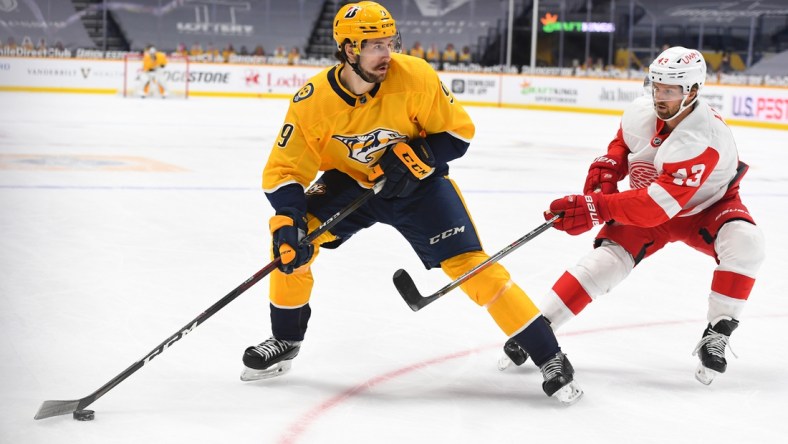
[{"x": 407, "y": 288}]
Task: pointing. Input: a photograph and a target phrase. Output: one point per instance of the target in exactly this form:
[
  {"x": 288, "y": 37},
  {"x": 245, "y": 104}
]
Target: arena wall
[{"x": 757, "y": 106}]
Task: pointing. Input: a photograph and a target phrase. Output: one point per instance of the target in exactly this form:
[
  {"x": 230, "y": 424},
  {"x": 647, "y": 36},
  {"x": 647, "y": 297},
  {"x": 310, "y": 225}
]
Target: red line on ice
[{"x": 300, "y": 425}]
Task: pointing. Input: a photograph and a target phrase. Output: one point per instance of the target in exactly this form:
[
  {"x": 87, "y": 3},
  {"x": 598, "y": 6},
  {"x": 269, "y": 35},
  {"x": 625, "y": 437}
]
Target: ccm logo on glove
[
  {"x": 404, "y": 165},
  {"x": 419, "y": 168}
]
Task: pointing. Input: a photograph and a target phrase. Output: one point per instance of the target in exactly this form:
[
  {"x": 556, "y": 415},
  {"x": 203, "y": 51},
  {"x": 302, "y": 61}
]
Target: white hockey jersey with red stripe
[{"x": 677, "y": 174}]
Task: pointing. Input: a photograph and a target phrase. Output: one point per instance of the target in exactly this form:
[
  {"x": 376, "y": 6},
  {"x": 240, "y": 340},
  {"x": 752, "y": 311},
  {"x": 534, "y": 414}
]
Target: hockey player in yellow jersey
[
  {"x": 153, "y": 63},
  {"x": 381, "y": 111}
]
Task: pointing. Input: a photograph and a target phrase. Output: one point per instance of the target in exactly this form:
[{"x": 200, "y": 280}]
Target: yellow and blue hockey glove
[
  {"x": 404, "y": 166},
  {"x": 288, "y": 228}
]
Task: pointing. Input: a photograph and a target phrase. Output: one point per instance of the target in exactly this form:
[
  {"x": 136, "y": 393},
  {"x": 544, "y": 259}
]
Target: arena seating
[
  {"x": 20, "y": 19},
  {"x": 775, "y": 65},
  {"x": 270, "y": 23},
  {"x": 460, "y": 25}
]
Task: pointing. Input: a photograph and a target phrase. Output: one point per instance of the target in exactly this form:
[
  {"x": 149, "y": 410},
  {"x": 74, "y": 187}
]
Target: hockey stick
[
  {"x": 407, "y": 288},
  {"x": 55, "y": 408}
]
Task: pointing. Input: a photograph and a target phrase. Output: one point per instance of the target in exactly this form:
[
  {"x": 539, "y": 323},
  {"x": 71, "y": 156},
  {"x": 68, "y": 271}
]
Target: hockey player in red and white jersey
[{"x": 684, "y": 174}]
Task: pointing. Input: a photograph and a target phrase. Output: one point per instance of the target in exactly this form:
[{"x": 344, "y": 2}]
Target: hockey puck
[{"x": 84, "y": 415}]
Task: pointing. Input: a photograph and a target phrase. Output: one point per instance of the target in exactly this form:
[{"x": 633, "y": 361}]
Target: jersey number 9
[{"x": 284, "y": 135}]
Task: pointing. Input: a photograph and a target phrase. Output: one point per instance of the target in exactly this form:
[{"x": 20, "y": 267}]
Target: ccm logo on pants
[{"x": 447, "y": 233}]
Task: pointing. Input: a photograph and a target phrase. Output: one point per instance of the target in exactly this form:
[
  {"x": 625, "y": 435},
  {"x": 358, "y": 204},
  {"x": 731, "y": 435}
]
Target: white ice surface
[{"x": 97, "y": 267}]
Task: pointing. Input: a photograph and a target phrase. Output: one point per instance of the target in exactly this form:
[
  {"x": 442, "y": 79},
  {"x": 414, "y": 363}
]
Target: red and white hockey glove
[
  {"x": 581, "y": 212},
  {"x": 605, "y": 173}
]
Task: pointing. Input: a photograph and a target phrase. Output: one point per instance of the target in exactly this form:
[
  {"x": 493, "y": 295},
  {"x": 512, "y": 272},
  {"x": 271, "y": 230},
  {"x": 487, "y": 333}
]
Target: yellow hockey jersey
[
  {"x": 149, "y": 63},
  {"x": 328, "y": 127}
]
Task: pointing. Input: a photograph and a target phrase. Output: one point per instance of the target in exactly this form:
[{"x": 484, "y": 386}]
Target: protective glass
[
  {"x": 666, "y": 93},
  {"x": 382, "y": 47}
]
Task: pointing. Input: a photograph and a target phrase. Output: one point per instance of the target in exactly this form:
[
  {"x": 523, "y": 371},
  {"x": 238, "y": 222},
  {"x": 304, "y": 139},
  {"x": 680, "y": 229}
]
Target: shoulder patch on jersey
[{"x": 304, "y": 93}]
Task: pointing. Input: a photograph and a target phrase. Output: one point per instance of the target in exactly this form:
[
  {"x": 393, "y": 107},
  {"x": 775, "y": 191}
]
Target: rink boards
[{"x": 757, "y": 106}]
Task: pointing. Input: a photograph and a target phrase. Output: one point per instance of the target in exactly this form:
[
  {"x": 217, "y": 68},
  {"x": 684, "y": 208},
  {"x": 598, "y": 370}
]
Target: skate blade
[
  {"x": 278, "y": 369},
  {"x": 705, "y": 375},
  {"x": 504, "y": 362},
  {"x": 569, "y": 394}
]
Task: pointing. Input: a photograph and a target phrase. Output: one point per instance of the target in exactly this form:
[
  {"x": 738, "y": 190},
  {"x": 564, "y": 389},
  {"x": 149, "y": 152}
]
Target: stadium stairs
[{"x": 92, "y": 16}]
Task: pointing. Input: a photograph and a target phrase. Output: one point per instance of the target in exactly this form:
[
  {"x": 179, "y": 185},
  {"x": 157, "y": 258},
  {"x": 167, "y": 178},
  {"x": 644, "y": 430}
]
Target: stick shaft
[
  {"x": 416, "y": 301},
  {"x": 55, "y": 408},
  {"x": 498, "y": 256}
]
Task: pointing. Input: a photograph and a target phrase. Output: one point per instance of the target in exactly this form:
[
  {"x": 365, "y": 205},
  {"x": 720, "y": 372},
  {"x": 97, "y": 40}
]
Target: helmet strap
[
  {"x": 357, "y": 70},
  {"x": 682, "y": 107},
  {"x": 355, "y": 66}
]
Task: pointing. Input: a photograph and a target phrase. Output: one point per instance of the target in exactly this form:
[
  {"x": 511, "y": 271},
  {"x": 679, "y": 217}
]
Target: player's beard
[
  {"x": 667, "y": 111},
  {"x": 375, "y": 76}
]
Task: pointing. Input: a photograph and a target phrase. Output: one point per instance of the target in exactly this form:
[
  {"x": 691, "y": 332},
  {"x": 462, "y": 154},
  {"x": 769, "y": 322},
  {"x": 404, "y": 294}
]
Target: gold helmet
[{"x": 361, "y": 21}]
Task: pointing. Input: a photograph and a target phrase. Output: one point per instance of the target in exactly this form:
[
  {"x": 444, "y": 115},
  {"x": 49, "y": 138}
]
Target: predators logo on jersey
[{"x": 361, "y": 147}]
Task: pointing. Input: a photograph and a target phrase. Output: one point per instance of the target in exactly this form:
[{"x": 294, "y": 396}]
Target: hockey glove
[
  {"x": 604, "y": 174},
  {"x": 581, "y": 213},
  {"x": 288, "y": 228},
  {"x": 404, "y": 166}
]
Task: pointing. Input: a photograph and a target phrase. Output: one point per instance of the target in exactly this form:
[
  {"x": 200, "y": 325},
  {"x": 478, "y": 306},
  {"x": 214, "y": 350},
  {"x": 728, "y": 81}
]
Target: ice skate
[
  {"x": 711, "y": 349},
  {"x": 272, "y": 358},
  {"x": 559, "y": 381},
  {"x": 513, "y": 354}
]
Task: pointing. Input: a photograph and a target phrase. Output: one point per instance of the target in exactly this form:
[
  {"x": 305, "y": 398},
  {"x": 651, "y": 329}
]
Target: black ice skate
[
  {"x": 513, "y": 354},
  {"x": 559, "y": 381},
  {"x": 273, "y": 357},
  {"x": 711, "y": 349}
]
